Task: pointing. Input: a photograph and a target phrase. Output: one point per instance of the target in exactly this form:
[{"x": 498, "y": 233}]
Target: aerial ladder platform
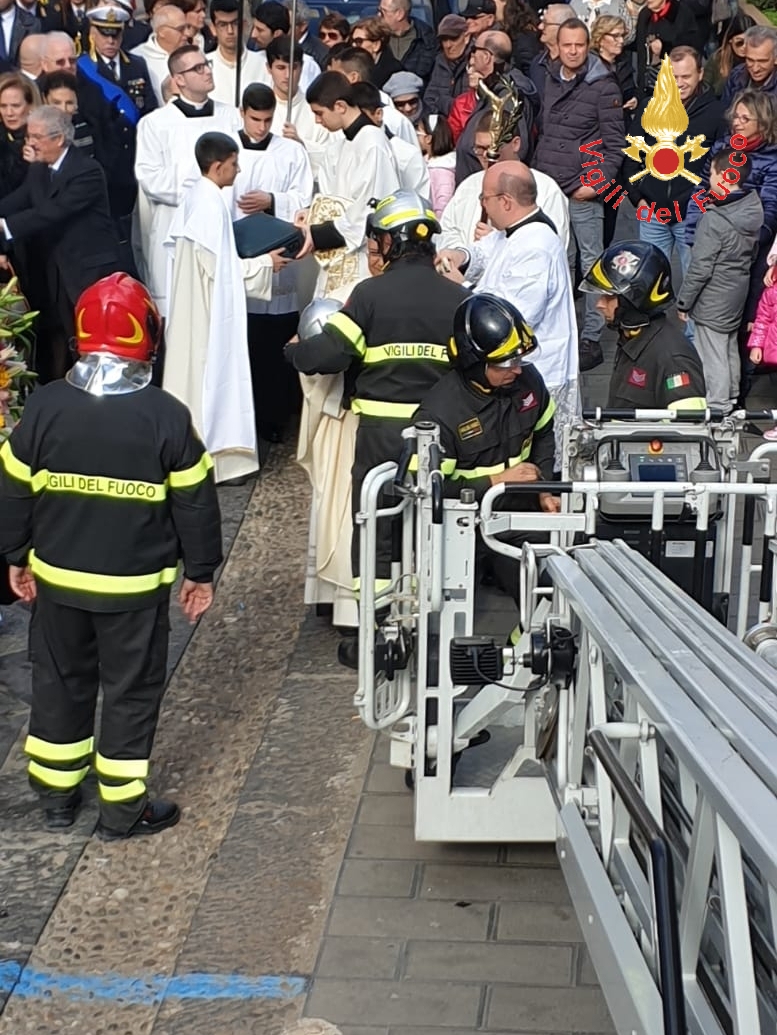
[{"x": 637, "y": 697}]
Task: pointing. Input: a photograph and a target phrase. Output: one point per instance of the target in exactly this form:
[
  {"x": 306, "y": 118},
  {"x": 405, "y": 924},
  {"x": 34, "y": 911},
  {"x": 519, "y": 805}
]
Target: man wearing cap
[
  {"x": 480, "y": 15},
  {"x": 449, "y": 72},
  {"x": 125, "y": 84},
  {"x": 412, "y": 42}
]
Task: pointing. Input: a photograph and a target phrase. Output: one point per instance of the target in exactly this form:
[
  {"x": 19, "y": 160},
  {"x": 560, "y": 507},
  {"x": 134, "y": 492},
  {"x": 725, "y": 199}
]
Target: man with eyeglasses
[
  {"x": 170, "y": 32},
  {"x": 413, "y": 43},
  {"x": 224, "y": 17},
  {"x": 63, "y": 203},
  {"x": 759, "y": 69},
  {"x": 165, "y": 164},
  {"x": 551, "y": 20},
  {"x": 490, "y": 62}
]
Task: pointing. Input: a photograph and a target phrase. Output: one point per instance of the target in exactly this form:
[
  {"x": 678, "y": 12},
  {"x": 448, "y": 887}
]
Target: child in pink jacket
[
  {"x": 762, "y": 345},
  {"x": 436, "y": 142}
]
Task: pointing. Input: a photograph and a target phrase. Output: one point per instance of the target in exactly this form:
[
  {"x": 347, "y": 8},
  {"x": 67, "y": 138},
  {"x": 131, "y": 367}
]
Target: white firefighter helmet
[{"x": 315, "y": 315}]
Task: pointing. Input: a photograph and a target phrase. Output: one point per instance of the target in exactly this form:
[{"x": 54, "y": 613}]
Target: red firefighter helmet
[{"x": 118, "y": 315}]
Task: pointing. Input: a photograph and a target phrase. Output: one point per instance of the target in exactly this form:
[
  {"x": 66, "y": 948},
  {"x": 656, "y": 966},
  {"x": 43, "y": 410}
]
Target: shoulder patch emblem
[
  {"x": 469, "y": 429},
  {"x": 678, "y": 381},
  {"x": 638, "y": 378},
  {"x": 529, "y": 402}
]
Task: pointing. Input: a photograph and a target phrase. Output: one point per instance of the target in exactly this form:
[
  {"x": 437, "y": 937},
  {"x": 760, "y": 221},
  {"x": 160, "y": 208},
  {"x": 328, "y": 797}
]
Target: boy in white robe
[
  {"x": 461, "y": 221},
  {"x": 164, "y": 163},
  {"x": 275, "y": 177},
  {"x": 412, "y": 169},
  {"x": 224, "y": 16},
  {"x": 285, "y": 77},
  {"x": 206, "y": 360}
]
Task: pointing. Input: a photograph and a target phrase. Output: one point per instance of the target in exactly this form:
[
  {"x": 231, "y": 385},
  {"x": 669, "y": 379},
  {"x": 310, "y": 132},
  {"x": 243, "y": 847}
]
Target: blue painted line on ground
[{"x": 30, "y": 983}]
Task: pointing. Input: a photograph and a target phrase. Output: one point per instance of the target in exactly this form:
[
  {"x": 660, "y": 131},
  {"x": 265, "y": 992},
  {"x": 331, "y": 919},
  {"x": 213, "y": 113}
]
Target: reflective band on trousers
[
  {"x": 89, "y": 582},
  {"x": 121, "y": 768},
  {"x": 122, "y": 792},
  {"x": 59, "y": 779},
  {"x": 405, "y": 350},
  {"x": 371, "y": 408},
  {"x": 48, "y": 752}
]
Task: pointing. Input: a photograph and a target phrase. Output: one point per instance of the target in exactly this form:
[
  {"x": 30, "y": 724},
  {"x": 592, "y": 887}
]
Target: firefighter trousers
[{"x": 74, "y": 652}]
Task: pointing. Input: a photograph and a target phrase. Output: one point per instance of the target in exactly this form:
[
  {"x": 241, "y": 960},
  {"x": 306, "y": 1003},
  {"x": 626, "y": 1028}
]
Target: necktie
[
  {"x": 3, "y": 48},
  {"x": 115, "y": 69}
]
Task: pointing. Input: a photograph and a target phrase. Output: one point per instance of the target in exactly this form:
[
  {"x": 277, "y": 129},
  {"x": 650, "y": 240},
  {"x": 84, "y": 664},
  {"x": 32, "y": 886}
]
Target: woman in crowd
[
  {"x": 333, "y": 29},
  {"x": 729, "y": 54},
  {"x": 753, "y": 115},
  {"x": 608, "y": 39},
  {"x": 436, "y": 142},
  {"x": 371, "y": 35},
  {"x": 522, "y": 25},
  {"x": 17, "y": 95}
]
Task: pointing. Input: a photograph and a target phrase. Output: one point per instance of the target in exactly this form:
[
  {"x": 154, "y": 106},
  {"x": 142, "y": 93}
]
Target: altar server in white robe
[
  {"x": 303, "y": 126},
  {"x": 461, "y": 220},
  {"x": 357, "y": 66},
  {"x": 224, "y": 16},
  {"x": 206, "y": 358},
  {"x": 353, "y": 173},
  {"x": 412, "y": 169},
  {"x": 164, "y": 163},
  {"x": 524, "y": 261},
  {"x": 275, "y": 177}
]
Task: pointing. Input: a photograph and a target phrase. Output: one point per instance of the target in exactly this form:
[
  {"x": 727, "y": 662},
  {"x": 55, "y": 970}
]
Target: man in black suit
[
  {"x": 15, "y": 24},
  {"x": 311, "y": 45},
  {"x": 63, "y": 204}
]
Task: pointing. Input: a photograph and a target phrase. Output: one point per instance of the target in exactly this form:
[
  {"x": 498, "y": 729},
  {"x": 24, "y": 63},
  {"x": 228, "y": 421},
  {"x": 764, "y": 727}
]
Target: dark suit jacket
[
  {"x": 24, "y": 24},
  {"x": 134, "y": 79},
  {"x": 69, "y": 213},
  {"x": 313, "y": 47}
]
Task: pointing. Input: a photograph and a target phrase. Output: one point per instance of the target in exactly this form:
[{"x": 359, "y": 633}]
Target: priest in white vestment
[
  {"x": 524, "y": 261},
  {"x": 353, "y": 172},
  {"x": 206, "y": 358},
  {"x": 461, "y": 222},
  {"x": 164, "y": 163}
]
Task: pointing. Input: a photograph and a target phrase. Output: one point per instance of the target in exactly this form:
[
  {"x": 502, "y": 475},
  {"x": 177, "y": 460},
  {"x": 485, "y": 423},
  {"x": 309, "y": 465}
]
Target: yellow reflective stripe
[
  {"x": 515, "y": 635},
  {"x": 89, "y": 582},
  {"x": 508, "y": 346},
  {"x": 407, "y": 213},
  {"x": 371, "y": 408},
  {"x": 349, "y": 329},
  {"x": 124, "y": 792},
  {"x": 58, "y": 752},
  {"x": 191, "y": 475},
  {"x": 60, "y": 779},
  {"x": 405, "y": 350},
  {"x": 550, "y": 409},
  {"x": 21, "y": 472},
  {"x": 121, "y": 768},
  {"x": 486, "y": 472},
  {"x": 381, "y": 585},
  {"x": 99, "y": 485},
  {"x": 694, "y": 403}
]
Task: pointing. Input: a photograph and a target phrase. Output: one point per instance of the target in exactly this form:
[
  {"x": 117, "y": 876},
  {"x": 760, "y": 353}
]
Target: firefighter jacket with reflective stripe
[
  {"x": 657, "y": 368},
  {"x": 393, "y": 332},
  {"x": 102, "y": 496},
  {"x": 485, "y": 431}
]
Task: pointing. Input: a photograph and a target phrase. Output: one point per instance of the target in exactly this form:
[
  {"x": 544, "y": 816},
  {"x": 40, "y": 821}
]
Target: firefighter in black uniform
[
  {"x": 656, "y": 367},
  {"x": 495, "y": 415},
  {"x": 493, "y": 409},
  {"x": 104, "y": 487},
  {"x": 391, "y": 336}
]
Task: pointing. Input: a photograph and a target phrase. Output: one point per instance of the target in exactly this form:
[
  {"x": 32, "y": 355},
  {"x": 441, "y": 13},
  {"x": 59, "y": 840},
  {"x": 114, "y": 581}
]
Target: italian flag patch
[{"x": 677, "y": 381}]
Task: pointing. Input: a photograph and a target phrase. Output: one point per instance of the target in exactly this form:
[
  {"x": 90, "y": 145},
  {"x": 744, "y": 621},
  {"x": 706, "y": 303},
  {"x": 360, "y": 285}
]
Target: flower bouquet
[{"x": 16, "y": 320}]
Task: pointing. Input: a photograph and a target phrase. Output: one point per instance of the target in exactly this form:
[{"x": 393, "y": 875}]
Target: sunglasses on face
[{"x": 330, "y": 35}]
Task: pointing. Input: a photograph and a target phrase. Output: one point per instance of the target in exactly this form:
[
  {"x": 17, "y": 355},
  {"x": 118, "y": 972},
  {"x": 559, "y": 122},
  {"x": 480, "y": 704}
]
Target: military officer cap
[{"x": 108, "y": 19}]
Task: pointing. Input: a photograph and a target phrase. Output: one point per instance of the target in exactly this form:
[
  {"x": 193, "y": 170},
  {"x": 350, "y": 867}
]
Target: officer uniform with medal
[{"x": 656, "y": 367}]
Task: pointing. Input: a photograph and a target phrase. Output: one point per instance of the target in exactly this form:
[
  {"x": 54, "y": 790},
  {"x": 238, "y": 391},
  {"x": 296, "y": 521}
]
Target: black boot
[
  {"x": 157, "y": 816},
  {"x": 59, "y": 817}
]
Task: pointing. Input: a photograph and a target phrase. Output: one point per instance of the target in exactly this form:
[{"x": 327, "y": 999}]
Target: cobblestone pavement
[{"x": 293, "y": 888}]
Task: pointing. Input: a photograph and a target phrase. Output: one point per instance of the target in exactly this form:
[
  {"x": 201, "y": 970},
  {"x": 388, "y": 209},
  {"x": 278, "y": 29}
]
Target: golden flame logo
[{"x": 665, "y": 118}]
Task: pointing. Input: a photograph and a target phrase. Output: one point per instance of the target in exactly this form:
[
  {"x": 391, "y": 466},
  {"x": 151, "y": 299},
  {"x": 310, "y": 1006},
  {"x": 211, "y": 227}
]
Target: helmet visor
[{"x": 518, "y": 348}]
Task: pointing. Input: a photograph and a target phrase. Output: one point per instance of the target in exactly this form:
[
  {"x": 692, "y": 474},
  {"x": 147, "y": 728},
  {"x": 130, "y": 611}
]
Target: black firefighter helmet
[
  {"x": 488, "y": 329},
  {"x": 639, "y": 274}
]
